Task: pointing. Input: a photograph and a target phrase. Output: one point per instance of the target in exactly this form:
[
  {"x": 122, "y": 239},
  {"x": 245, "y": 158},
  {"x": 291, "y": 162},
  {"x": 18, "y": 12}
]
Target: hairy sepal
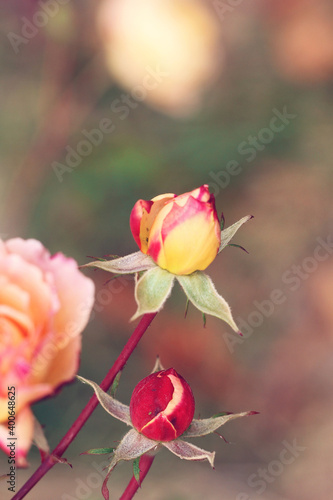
[
  {"x": 206, "y": 426},
  {"x": 132, "y": 446},
  {"x": 152, "y": 290},
  {"x": 200, "y": 290},
  {"x": 111, "y": 405},
  {"x": 188, "y": 451},
  {"x": 132, "y": 263},
  {"x": 228, "y": 233}
]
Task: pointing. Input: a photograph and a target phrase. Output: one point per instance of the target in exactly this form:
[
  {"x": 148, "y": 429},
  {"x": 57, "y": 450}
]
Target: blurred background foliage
[{"x": 231, "y": 67}]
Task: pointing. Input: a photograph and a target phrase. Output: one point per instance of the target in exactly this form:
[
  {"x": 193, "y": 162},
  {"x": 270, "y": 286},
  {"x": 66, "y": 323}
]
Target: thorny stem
[
  {"x": 58, "y": 451},
  {"x": 133, "y": 486}
]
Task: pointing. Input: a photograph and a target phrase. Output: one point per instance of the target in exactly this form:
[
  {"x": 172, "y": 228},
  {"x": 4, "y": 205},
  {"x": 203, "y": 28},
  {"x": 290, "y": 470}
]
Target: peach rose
[{"x": 45, "y": 303}]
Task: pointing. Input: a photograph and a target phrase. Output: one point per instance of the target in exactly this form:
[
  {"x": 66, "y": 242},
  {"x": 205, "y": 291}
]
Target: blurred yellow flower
[{"x": 166, "y": 53}]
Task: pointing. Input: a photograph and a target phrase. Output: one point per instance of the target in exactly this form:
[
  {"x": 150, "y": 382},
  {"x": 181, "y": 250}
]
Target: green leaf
[
  {"x": 98, "y": 451},
  {"x": 228, "y": 233},
  {"x": 152, "y": 290},
  {"x": 201, "y": 291},
  {"x": 136, "y": 470}
]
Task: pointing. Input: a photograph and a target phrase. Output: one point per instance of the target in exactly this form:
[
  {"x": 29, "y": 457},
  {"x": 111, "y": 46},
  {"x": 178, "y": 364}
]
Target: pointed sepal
[
  {"x": 152, "y": 290},
  {"x": 132, "y": 263},
  {"x": 136, "y": 470},
  {"x": 228, "y": 233},
  {"x": 111, "y": 405},
  {"x": 158, "y": 365},
  {"x": 200, "y": 290},
  {"x": 188, "y": 451},
  {"x": 206, "y": 426},
  {"x": 132, "y": 446}
]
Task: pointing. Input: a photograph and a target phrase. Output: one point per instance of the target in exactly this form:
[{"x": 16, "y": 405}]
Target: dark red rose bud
[{"x": 162, "y": 406}]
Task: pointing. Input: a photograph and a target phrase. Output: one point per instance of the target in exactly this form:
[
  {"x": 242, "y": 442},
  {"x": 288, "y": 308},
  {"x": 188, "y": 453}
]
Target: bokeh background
[{"x": 105, "y": 102}]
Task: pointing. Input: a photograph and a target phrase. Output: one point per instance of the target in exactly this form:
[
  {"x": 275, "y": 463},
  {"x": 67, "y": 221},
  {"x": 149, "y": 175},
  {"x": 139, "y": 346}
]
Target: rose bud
[
  {"x": 162, "y": 406},
  {"x": 161, "y": 409},
  {"x": 180, "y": 233}
]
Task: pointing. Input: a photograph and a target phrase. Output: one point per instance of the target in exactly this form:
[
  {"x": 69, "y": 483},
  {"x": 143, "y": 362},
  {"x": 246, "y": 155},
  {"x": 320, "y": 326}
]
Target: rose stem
[
  {"x": 132, "y": 487},
  {"x": 88, "y": 409}
]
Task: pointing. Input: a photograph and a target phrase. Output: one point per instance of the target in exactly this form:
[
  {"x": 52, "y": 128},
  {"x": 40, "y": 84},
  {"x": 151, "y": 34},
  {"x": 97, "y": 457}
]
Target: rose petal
[{"x": 24, "y": 429}]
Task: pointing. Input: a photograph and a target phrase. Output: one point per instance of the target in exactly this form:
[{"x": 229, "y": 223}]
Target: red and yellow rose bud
[
  {"x": 180, "y": 233},
  {"x": 162, "y": 406}
]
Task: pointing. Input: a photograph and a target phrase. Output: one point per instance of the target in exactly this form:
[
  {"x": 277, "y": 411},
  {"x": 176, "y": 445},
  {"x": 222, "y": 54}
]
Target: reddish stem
[
  {"x": 133, "y": 486},
  {"x": 88, "y": 409}
]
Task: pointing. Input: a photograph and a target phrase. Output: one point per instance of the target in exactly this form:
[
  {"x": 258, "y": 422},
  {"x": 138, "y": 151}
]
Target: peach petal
[
  {"x": 24, "y": 428},
  {"x": 76, "y": 295},
  {"x": 45, "y": 303},
  {"x": 64, "y": 365}
]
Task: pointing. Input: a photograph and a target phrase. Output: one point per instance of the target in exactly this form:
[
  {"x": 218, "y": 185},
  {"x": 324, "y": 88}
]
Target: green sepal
[
  {"x": 206, "y": 426},
  {"x": 237, "y": 246},
  {"x": 200, "y": 290},
  {"x": 136, "y": 470},
  {"x": 98, "y": 451},
  {"x": 220, "y": 414},
  {"x": 186, "y": 307},
  {"x": 129, "y": 264},
  {"x": 188, "y": 451},
  {"x": 132, "y": 446},
  {"x": 152, "y": 290},
  {"x": 158, "y": 365},
  {"x": 222, "y": 222},
  {"x": 111, "y": 405},
  {"x": 228, "y": 233},
  {"x": 115, "y": 384}
]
